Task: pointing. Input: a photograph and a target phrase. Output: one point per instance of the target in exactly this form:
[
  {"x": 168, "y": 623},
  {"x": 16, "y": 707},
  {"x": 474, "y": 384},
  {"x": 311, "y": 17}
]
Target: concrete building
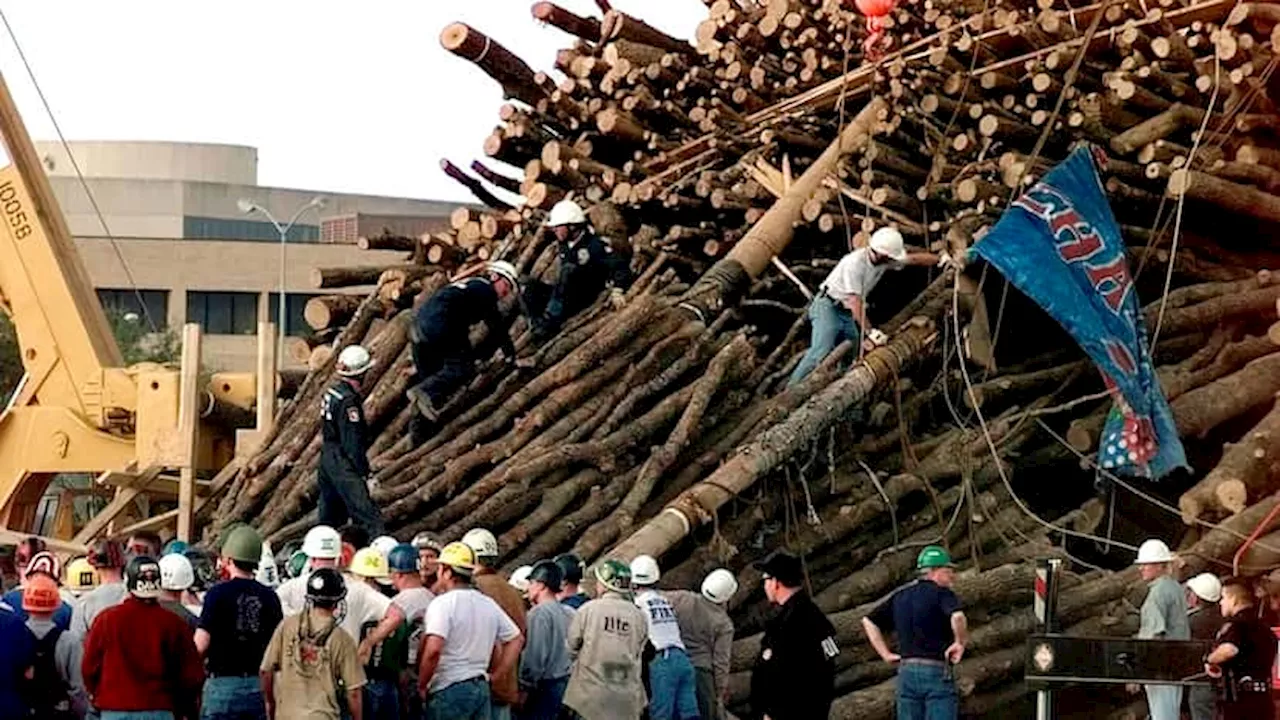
[{"x": 182, "y": 242}]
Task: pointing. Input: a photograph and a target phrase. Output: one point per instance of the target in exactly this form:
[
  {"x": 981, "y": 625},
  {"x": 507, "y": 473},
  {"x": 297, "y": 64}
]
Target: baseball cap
[{"x": 782, "y": 566}]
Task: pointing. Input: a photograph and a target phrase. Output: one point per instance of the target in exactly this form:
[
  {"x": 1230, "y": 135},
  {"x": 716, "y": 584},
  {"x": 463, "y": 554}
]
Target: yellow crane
[{"x": 78, "y": 409}]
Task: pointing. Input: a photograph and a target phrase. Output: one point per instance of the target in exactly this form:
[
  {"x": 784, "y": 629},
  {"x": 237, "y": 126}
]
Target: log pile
[{"x": 735, "y": 169}]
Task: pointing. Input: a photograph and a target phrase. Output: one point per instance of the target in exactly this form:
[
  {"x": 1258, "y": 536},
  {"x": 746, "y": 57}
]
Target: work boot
[
  {"x": 422, "y": 402},
  {"x": 421, "y": 429}
]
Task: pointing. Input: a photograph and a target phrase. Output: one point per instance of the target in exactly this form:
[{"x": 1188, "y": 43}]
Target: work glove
[
  {"x": 617, "y": 299},
  {"x": 877, "y": 337},
  {"x": 945, "y": 259}
]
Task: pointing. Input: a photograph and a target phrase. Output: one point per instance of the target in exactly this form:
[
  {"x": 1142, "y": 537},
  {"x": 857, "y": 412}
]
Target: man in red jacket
[{"x": 140, "y": 660}]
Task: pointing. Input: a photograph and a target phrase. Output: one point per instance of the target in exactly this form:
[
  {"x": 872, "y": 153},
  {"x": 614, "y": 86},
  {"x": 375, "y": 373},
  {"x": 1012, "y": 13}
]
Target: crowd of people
[{"x": 386, "y": 630}]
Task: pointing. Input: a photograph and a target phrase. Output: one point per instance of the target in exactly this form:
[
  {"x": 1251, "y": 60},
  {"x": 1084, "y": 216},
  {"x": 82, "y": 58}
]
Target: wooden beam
[
  {"x": 64, "y": 547},
  {"x": 189, "y": 426},
  {"x": 153, "y": 523}
]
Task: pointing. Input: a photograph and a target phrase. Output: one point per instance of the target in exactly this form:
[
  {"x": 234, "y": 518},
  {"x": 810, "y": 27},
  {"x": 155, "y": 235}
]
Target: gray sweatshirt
[
  {"x": 66, "y": 656},
  {"x": 546, "y": 652},
  {"x": 706, "y": 630},
  {"x": 102, "y": 597}
]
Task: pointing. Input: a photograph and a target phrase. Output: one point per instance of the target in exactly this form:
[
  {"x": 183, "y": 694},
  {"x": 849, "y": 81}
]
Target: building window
[
  {"x": 202, "y": 228},
  {"x": 294, "y": 303},
  {"x": 224, "y": 313},
  {"x": 122, "y": 302}
]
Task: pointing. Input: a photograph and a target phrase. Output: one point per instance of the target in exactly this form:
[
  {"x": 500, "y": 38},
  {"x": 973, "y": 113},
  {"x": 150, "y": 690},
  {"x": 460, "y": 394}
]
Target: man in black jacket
[
  {"x": 344, "y": 465},
  {"x": 442, "y": 352},
  {"x": 794, "y": 675},
  {"x": 587, "y": 266}
]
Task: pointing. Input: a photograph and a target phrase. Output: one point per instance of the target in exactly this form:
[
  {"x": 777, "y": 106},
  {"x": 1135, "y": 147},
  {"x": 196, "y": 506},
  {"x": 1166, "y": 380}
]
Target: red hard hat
[
  {"x": 40, "y": 595},
  {"x": 875, "y": 8}
]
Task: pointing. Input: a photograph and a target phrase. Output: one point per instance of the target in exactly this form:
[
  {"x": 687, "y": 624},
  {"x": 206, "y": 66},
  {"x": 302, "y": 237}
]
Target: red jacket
[{"x": 140, "y": 656}]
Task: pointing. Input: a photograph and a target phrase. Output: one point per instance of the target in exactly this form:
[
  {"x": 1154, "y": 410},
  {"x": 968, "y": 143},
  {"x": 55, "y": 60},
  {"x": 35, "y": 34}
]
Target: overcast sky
[{"x": 337, "y": 96}]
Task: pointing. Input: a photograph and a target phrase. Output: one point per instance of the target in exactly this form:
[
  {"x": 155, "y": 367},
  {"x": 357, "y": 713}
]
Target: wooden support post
[{"x": 189, "y": 425}]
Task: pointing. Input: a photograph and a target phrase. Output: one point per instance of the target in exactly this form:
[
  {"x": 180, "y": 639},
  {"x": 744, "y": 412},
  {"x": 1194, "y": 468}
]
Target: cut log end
[{"x": 1233, "y": 495}]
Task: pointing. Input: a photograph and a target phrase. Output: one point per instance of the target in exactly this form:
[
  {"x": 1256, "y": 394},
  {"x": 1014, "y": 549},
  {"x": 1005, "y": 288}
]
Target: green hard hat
[
  {"x": 244, "y": 544},
  {"x": 297, "y": 563},
  {"x": 614, "y": 575},
  {"x": 933, "y": 556}
]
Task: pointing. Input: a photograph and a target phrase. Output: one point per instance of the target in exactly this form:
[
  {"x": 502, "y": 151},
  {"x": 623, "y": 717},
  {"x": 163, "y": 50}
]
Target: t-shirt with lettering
[
  {"x": 855, "y": 274},
  {"x": 664, "y": 631},
  {"x": 413, "y": 603},
  {"x": 240, "y": 615},
  {"x": 471, "y": 624},
  {"x": 920, "y": 613}
]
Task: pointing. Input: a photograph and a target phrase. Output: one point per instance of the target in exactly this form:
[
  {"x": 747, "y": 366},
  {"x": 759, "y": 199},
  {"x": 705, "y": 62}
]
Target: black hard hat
[
  {"x": 784, "y": 567},
  {"x": 326, "y": 584},
  {"x": 142, "y": 577},
  {"x": 571, "y": 567},
  {"x": 548, "y": 573}
]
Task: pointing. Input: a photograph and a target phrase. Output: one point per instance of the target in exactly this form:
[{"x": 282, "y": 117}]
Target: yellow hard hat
[
  {"x": 370, "y": 563},
  {"x": 458, "y": 556},
  {"x": 81, "y": 577}
]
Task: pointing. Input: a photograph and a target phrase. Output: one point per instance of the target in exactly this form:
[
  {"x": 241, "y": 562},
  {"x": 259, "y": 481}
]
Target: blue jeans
[
  {"x": 830, "y": 324},
  {"x": 135, "y": 715},
  {"x": 467, "y": 700},
  {"x": 232, "y": 698},
  {"x": 543, "y": 702},
  {"x": 924, "y": 693},
  {"x": 672, "y": 685},
  {"x": 1163, "y": 701},
  {"x": 381, "y": 700}
]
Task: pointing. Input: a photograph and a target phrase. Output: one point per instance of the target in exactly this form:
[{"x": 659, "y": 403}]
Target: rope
[
  {"x": 146, "y": 313},
  {"x": 889, "y": 504},
  {"x": 488, "y": 43}
]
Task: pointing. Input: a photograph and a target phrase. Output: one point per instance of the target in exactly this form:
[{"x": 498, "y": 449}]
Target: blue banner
[{"x": 1060, "y": 245}]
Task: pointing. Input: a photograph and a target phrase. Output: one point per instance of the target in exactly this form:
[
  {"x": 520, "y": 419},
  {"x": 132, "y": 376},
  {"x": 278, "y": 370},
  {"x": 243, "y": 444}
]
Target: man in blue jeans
[
  {"x": 672, "y": 679},
  {"x": 839, "y": 310},
  {"x": 932, "y": 632}
]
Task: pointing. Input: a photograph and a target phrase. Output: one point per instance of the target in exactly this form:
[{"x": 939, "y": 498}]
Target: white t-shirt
[
  {"x": 664, "y": 631},
  {"x": 855, "y": 274},
  {"x": 471, "y": 624},
  {"x": 413, "y": 603},
  {"x": 365, "y": 606},
  {"x": 293, "y": 595}
]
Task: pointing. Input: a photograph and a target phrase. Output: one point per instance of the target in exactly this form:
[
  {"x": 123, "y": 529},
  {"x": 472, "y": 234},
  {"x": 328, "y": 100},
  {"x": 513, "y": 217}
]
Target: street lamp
[{"x": 248, "y": 207}]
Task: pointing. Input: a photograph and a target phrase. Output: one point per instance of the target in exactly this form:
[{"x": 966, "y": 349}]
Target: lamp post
[{"x": 249, "y": 207}]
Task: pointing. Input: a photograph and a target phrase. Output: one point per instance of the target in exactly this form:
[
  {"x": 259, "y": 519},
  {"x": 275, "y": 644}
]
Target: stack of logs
[{"x": 736, "y": 170}]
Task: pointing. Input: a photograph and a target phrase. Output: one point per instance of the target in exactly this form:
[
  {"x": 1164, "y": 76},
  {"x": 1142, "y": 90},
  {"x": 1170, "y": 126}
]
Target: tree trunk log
[{"x": 1247, "y": 469}]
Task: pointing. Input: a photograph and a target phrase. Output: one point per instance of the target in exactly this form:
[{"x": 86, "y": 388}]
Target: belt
[
  {"x": 923, "y": 661},
  {"x": 1250, "y": 685},
  {"x": 666, "y": 652},
  {"x": 238, "y": 676}
]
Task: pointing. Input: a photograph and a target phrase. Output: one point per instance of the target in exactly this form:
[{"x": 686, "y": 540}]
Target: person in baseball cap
[{"x": 794, "y": 674}]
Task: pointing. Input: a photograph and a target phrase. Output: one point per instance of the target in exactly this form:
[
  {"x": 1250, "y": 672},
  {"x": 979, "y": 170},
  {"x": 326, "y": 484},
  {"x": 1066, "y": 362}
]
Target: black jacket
[
  {"x": 586, "y": 267},
  {"x": 346, "y": 436},
  {"x": 446, "y": 318},
  {"x": 794, "y": 675}
]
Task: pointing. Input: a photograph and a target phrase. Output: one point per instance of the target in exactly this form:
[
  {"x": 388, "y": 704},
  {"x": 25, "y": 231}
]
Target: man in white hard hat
[
  {"x": 176, "y": 577},
  {"x": 322, "y": 546},
  {"x": 707, "y": 632},
  {"x": 1164, "y": 617},
  {"x": 343, "y": 474},
  {"x": 672, "y": 680},
  {"x": 839, "y": 309},
  {"x": 587, "y": 266},
  {"x": 443, "y": 356},
  {"x": 1203, "y": 592}
]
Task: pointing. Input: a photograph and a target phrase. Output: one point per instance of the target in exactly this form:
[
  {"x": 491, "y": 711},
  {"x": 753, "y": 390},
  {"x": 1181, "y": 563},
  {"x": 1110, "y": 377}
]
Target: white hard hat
[
  {"x": 719, "y": 586},
  {"x": 505, "y": 270},
  {"x": 566, "y": 212},
  {"x": 354, "y": 360},
  {"x": 322, "y": 542},
  {"x": 1206, "y": 586},
  {"x": 520, "y": 577},
  {"x": 1153, "y": 551},
  {"x": 384, "y": 544},
  {"x": 644, "y": 570},
  {"x": 176, "y": 572},
  {"x": 267, "y": 574},
  {"x": 888, "y": 242},
  {"x": 482, "y": 542}
]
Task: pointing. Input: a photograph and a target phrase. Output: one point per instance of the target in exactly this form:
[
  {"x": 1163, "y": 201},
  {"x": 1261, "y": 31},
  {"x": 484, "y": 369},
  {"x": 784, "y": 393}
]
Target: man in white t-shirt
[
  {"x": 322, "y": 546},
  {"x": 462, "y": 628},
  {"x": 839, "y": 310},
  {"x": 672, "y": 679}
]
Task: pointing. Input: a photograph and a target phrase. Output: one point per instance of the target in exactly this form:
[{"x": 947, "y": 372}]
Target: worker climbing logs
[{"x": 822, "y": 323}]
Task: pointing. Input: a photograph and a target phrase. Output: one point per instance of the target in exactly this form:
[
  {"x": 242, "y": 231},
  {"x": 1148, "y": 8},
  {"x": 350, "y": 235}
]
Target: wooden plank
[
  {"x": 268, "y": 366},
  {"x": 62, "y": 547},
  {"x": 189, "y": 426},
  {"x": 154, "y": 523}
]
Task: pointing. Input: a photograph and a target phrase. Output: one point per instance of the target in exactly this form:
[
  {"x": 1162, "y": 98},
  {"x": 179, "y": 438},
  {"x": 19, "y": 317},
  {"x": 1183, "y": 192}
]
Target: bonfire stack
[{"x": 735, "y": 170}]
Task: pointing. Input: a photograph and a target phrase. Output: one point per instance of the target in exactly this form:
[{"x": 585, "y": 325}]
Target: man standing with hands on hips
[{"x": 932, "y": 632}]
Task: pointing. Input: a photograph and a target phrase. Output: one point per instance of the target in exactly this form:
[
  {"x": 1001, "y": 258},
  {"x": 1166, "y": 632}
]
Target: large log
[
  {"x": 1201, "y": 410},
  {"x": 516, "y": 78},
  {"x": 326, "y": 311},
  {"x": 341, "y": 277},
  {"x": 1247, "y": 469}
]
